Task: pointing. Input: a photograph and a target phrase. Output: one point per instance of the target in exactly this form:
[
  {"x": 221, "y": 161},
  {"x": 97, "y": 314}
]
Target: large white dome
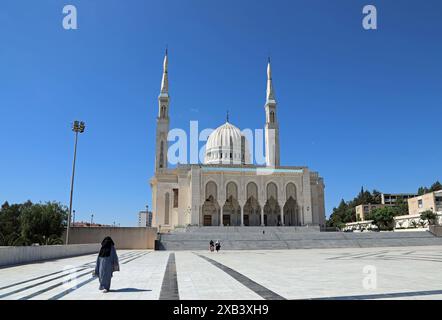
[{"x": 226, "y": 145}]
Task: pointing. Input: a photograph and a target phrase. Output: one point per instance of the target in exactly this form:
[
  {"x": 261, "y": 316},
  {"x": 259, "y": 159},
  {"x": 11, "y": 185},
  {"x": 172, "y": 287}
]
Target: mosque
[{"x": 227, "y": 189}]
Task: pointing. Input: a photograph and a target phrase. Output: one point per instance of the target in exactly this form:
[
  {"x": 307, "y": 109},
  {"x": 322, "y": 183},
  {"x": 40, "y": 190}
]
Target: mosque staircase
[{"x": 253, "y": 238}]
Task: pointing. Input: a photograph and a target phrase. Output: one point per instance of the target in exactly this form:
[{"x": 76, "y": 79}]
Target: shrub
[{"x": 429, "y": 216}]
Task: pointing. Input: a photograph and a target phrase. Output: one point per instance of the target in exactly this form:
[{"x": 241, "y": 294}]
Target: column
[
  {"x": 242, "y": 215},
  {"x": 262, "y": 215},
  {"x": 282, "y": 215},
  {"x": 221, "y": 217}
]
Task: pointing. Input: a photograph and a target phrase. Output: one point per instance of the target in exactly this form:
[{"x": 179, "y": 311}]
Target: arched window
[
  {"x": 211, "y": 190},
  {"x": 272, "y": 117},
  {"x": 272, "y": 191},
  {"x": 163, "y": 112},
  {"x": 166, "y": 209},
  {"x": 290, "y": 191},
  {"x": 252, "y": 190},
  {"x": 231, "y": 190},
  {"x": 162, "y": 154}
]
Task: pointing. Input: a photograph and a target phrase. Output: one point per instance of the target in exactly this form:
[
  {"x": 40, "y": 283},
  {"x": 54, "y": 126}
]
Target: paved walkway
[{"x": 388, "y": 273}]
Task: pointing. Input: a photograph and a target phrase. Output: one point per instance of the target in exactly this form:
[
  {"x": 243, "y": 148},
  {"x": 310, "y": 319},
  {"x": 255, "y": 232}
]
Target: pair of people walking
[{"x": 214, "y": 246}]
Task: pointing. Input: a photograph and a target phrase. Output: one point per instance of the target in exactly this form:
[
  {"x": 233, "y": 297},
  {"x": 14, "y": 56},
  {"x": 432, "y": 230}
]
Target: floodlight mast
[{"x": 77, "y": 127}]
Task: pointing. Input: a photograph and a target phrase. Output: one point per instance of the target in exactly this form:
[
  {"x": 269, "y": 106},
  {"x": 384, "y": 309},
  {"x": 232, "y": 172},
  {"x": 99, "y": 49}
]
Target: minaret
[
  {"x": 271, "y": 127},
  {"x": 162, "y": 121}
]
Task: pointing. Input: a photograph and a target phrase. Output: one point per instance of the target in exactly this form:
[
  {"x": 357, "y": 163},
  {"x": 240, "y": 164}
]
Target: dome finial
[{"x": 227, "y": 116}]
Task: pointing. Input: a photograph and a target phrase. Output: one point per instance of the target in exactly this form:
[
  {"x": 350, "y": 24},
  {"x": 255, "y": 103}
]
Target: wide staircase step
[{"x": 266, "y": 238}]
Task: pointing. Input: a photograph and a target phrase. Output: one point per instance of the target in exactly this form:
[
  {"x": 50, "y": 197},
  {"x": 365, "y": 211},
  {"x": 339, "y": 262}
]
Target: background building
[
  {"x": 387, "y": 200},
  {"x": 365, "y": 209},
  {"x": 145, "y": 218},
  {"x": 391, "y": 199},
  {"x": 429, "y": 201}
]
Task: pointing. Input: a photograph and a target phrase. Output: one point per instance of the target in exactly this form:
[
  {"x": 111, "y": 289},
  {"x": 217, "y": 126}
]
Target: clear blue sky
[{"x": 361, "y": 107}]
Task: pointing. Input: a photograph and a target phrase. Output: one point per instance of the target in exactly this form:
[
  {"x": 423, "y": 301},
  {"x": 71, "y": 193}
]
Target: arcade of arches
[{"x": 231, "y": 213}]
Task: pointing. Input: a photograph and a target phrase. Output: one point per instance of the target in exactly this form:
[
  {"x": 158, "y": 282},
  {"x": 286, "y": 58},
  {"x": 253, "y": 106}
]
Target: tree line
[
  {"x": 346, "y": 211},
  {"x": 32, "y": 223}
]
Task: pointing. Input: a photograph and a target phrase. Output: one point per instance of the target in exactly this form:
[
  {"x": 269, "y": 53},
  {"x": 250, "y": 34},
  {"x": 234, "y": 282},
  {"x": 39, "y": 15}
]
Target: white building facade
[
  {"x": 227, "y": 189},
  {"x": 144, "y": 219}
]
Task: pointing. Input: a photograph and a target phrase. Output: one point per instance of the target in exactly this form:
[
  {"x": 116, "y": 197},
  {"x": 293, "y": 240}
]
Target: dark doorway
[
  {"x": 246, "y": 219},
  {"x": 226, "y": 219},
  {"x": 207, "y": 220}
]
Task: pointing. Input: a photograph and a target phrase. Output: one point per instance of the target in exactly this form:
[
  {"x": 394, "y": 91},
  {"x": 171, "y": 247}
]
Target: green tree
[
  {"x": 337, "y": 217},
  {"x": 10, "y": 222},
  {"x": 429, "y": 216},
  {"x": 42, "y": 223},
  {"x": 422, "y": 190},
  {"x": 402, "y": 206},
  {"x": 346, "y": 211},
  {"x": 436, "y": 186},
  {"x": 383, "y": 218},
  {"x": 377, "y": 197}
]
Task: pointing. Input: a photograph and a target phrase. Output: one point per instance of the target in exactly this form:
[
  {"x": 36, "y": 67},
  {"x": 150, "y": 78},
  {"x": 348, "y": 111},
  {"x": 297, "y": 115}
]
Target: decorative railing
[
  {"x": 360, "y": 226},
  {"x": 400, "y": 222}
]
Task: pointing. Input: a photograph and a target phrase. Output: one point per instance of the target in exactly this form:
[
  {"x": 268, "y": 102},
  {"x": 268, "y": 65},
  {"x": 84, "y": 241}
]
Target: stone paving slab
[
  {"x": 401, "y": 273},
  {"x": 200, "y": 280},
  {"x": 339, "y": 273}
]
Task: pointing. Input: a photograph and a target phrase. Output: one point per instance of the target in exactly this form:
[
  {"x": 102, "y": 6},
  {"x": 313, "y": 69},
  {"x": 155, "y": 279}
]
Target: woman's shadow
[{"x": 129, "y": 290}]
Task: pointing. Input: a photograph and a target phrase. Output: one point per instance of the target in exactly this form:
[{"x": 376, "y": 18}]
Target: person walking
[
  {"x": 217, "y": 245},
  {"x": 211, "y": 246},
  {"x": 107, "y": 264}
]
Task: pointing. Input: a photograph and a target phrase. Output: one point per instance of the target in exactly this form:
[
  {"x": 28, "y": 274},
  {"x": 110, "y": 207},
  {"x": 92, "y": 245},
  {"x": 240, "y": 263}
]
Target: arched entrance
[
  {"x": 252, "y": 212},
  {"x": 231, "y": 208},
  {"x": 252, "y": 209},
  {"x": 210, "y": 208},
  {"x": 272, "y": 213},
  {"x": 210, "y": 212},
  {"x": 272, "y": 210},
  {"x": 290, "y": 213}
]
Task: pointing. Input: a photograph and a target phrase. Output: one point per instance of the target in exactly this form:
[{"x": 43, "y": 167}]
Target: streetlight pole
[
  {"x": 92, "y": 218},
  {"x": 73, "y": 218},
  {"x": 77, "y": 127}
]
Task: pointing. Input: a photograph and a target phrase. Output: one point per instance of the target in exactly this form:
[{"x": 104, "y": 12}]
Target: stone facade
[{"x": 213, "y": 195}]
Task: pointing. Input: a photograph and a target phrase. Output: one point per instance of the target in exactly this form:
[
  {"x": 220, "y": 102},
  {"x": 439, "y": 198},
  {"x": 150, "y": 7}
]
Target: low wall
[
  {"x": 360, "y": 226},
  {"x": 436, "y": 230},
  {"x": 27, "y": 254},
  {"x": 409, "y": 222},
  {"x": 124, "y": 238},
  {"x": 405, "y": 222}
]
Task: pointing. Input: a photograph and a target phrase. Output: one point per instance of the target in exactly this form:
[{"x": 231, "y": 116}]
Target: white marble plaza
[{"x": 401, "y": 273}]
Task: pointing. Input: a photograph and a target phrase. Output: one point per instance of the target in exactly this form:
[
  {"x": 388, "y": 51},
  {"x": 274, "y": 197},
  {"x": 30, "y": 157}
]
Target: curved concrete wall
[{"x": 27, "y": 254}]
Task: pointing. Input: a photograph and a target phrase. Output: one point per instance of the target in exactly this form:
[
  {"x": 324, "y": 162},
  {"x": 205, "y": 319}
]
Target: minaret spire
[
  {"x": 162, "y": 121},
  {"x": 270, "y": 90},
  {"x": 271, "y": 127},
  {"x": 165, "y": 80}
]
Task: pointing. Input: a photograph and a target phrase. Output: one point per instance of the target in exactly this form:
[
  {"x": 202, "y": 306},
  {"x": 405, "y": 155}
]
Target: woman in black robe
[{"x": 107, "y": 263}]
